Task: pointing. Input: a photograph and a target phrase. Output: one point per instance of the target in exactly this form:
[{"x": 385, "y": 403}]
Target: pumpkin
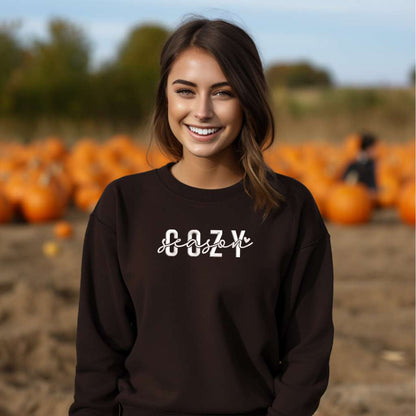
[
  {"x": 121, "y": 143},
  {"x": 43, "y": 200},
  {"x": 319, "y": 185},
  {"x": 389, "y": 187},
  {"x": 292, "y": 156},
  {"x": 87, "y": 174},
  {"x": 275, "y": 161},
  {"x": 53, "y": 149},
  {"x": 348, "y": 203},
  {"x": 138, "y": 160},
  {"x": 87, "y": 196},
  {"x": 406, "y": 203},
  {"x": 63, "y": 229},
  {"x": 352, "y": 145},
  {"x": 63, "y": 178},
  {"x": 156, "y": 159}
]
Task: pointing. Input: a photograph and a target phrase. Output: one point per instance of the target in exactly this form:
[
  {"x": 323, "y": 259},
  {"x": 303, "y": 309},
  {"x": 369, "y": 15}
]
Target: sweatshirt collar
[{"x": 197, "y": 194}]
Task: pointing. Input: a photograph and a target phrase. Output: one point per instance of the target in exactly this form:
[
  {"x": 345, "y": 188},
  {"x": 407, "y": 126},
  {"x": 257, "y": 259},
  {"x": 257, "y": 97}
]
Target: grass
[{"x": 333, "y": 113}]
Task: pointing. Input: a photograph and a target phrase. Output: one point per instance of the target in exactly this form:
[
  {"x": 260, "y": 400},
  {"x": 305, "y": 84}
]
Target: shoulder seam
[{"x": 102, "y": 222}]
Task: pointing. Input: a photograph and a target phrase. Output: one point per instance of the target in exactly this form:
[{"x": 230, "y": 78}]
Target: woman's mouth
[{"x": 204, "y": 134}]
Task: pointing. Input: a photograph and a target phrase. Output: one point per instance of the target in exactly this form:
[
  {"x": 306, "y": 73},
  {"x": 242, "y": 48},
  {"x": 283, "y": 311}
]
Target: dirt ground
[{"x": 373, "y": 359}]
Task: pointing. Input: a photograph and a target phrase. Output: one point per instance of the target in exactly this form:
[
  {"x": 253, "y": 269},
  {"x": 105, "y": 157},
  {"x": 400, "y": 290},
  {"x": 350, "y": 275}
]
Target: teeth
[{"x": 202, "y": 132}]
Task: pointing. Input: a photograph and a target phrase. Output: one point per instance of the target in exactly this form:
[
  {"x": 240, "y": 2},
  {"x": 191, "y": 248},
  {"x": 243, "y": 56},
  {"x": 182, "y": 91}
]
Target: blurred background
[{"x": 77, "y": 89}]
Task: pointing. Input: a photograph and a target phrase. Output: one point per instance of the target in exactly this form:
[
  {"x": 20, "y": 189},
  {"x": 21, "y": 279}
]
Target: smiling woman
[
  {"x": 212, "y": 78},
  {"x": 207, "y": 283}
]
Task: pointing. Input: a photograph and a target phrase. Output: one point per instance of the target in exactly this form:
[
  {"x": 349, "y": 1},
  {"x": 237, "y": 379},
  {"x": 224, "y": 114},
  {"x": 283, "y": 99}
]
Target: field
[{"x": 372, "y": 363}]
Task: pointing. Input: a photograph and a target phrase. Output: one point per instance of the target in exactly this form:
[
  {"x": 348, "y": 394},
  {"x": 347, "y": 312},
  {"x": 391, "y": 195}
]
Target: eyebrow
[{"x": 191, "y": 84}]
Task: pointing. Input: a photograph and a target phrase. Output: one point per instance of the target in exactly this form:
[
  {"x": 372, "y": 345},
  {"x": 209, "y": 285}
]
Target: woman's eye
[
  {"x": 225, "y": 93},
  {"x": 183, "y": 91},
  {"x": 188, "y": 92}
]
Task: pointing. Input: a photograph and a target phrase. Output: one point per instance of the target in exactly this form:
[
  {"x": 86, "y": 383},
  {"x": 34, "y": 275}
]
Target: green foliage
[
  {"x": 53, "y": 75},
  {"x": 52, "y": 79},
  {"x": 125, "y": 89},
  {"x": 119, "y": 95},
  {"x": 136, "y": 71},
  {"x": 11, "y": 53},
  {"x": 141, "y": 49},
  {"x": 297, "y": 75}
]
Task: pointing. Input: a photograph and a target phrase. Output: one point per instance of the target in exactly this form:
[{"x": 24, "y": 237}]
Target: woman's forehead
[{"x": 198, "y": 67}]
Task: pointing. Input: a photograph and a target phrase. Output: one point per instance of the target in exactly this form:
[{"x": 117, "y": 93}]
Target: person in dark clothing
[
  {"x": 207, "y": 283},
  {"x": 363, "y": 168}
]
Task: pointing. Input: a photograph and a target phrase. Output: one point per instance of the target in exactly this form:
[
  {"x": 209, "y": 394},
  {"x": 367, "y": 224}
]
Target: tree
[
  {"x": 141, "y": 49},
  {"x": 11, "y": 53},
  {"x": 55, "y": 73},
  {"x": 297, "y": 75},
  {"x": 136, "y": 70}
]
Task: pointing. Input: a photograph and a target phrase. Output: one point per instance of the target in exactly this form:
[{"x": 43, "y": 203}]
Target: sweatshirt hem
[{"x": 139, "y": 411}]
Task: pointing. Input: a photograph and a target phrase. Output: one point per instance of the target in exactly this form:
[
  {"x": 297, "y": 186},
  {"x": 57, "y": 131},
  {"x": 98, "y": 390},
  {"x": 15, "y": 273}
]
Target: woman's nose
[{"x": 203, "y": 108}]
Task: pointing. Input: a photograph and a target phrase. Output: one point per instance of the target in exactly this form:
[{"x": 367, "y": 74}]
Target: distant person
[{"x": 362, "y": 168}]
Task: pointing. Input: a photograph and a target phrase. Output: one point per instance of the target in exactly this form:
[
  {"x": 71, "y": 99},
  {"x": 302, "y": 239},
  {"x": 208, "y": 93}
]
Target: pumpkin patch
[{"x": 41, "y": 180}]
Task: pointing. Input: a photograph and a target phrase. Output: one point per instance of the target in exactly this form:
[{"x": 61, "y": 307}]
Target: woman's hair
[{"x": 239, "y": 60}]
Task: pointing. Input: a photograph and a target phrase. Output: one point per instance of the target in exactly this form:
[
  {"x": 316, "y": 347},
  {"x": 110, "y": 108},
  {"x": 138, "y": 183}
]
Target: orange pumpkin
[
  {"x": 43, "y": 200},
  {"x": 53, "y": 148},
  {"x": 63, "y": 178},
  {"x": 87, "y": 196},
  {"x": 352, "y": 145},
  {"x": 121, "y": 143},
  {"x": 319, "y": 185},
  {"x": 86, "y": 174},
  {"x": 138, "y": 159},
  {"x": 389, "y": 187},
  {"x": 406, "y": 203},
  {"x": 292, "y": 156},
  {"x": 63, "y": 229},
  {"x": 348, "y": 203}
]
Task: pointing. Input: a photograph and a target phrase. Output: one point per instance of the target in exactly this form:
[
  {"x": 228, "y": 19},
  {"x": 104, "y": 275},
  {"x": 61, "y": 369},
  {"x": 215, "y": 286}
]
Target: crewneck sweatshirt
[{"x": 191, "y": 305}]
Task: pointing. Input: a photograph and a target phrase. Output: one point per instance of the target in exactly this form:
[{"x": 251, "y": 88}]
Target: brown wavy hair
[{"x": 239, "y": 60}]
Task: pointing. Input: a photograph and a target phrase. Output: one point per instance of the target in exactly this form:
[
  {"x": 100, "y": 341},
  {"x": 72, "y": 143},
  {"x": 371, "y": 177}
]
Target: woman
[{"x": 207, "y": 283}]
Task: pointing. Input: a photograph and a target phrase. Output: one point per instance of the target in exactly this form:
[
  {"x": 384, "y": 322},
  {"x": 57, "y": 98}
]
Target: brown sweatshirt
[{"x": 190, "y": 305}]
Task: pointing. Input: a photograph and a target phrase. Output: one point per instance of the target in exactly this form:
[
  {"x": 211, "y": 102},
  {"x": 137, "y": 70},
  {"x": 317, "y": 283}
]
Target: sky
[{"x": 359, "y": 42}]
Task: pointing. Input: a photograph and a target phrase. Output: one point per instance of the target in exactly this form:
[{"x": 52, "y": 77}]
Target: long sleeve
[
  {"x": 304, "y": 317},
  {"x": 105, "y": 328}
]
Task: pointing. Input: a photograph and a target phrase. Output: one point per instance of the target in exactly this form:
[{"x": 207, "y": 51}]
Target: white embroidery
[{"x": 170, "y": 244}]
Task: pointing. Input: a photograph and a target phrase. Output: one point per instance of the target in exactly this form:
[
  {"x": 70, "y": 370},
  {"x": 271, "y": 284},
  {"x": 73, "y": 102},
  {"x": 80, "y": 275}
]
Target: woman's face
[{"x": 200, "y": 97}]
